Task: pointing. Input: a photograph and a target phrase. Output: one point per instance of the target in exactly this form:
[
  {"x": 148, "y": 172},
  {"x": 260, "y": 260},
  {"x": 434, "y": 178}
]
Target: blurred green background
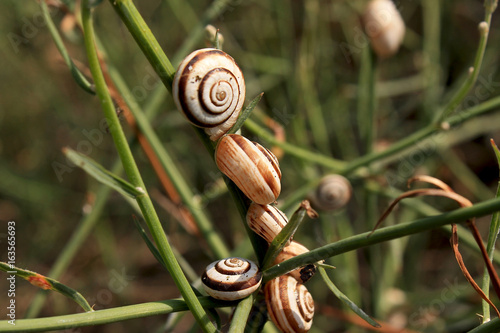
[{"x": 305, "y": 56}]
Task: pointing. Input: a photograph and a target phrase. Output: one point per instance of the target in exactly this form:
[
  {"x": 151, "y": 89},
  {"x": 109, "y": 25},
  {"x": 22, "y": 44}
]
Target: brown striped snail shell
[
  {"x": 293, "y": 250},
  {"x": 290, "y": 305},
  {"x": 209, "y": 89},
  {"x": 333, "y": 192},
  {"x": 231, "y": 278},
  {"x": 384, "y": 26},
  {"x": 265, "y": 220},
  {"x": 253, "y": 168}
]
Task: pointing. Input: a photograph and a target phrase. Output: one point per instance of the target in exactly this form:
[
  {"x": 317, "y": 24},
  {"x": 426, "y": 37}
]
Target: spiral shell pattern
[
  {"x": 290, "y": 305},
  {"x": 231, "y": 278},
  {"x": 209, "y": 89},
  {"x": 265, "y": 220},
  {"x": 333, "y": 192},
  {"x": 253, "y": 168}
]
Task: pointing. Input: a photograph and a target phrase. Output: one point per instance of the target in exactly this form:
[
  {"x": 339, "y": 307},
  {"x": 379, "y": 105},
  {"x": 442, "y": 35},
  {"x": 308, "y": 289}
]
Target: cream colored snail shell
[
  {"x": 333, "y": 192},
  {"x": 384, "y": 26},
  {"x": 265, "y": 220},
  {"x": 290, "y": 251},
  {"x": 231, "y": 278},
  {"x": 290, "y": 305},
  {"x": 209, "y": 89},
  {"x": 253, "y": 168}
]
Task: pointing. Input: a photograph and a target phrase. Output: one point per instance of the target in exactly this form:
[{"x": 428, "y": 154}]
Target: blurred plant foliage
[{"x": 329, "y": 106}]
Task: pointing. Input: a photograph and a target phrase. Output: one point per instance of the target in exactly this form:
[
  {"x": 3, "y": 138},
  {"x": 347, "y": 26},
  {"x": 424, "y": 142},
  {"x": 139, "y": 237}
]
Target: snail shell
[
  {"x": 333, "y": 192},
  {"x": 266, "y": 220},
  {"x": 209, "y": 89},
  {"x": 384, "y": 26},
  {"x": 253, "y": 168},
  {"x": 231, "y": 279},
  {"x": 290, "y": 251},
  {"x": 290, "y": 305}
]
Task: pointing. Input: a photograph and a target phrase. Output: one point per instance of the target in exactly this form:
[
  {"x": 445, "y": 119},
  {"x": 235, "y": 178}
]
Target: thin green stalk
[
  {"x": 134, "y": 176},
  {"x": 382, "y": 235},
  {"x": 80, "y": 79},
  {"x": 107, "y": 316},
  {"x": 306, "y": 154},
  {"x": 45, "y": 283},
  {"x": 367, "y": 99},
  {"x": 307, "y": 81},
  {"x": 240, "y": 316},
  {"x": 431, "y": 51},
  {"x": 484, "y": 28},
  {"x": 490, "y": 327},
  {"x": 215, "y": 242},
  {"x": 68, "y": 252},
  {"x": 490, "y": 246},
  {"x": 146, "y": 40},
  {"x": 216, "y": 9}
]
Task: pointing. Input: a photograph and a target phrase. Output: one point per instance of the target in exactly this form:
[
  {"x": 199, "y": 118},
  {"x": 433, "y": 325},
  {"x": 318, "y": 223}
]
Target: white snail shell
[
  {"x": 333, "y": 192},
  {"x": 384, "y": 26},
  {"x": 253, "y": 168},
  {"x": 209, "y": 89},
  {"x": 290, "y": 305},
  {"x": 290, "y": 251},
  {"x": 265, "y": 220},
  {"x": 231, "y": 278}
]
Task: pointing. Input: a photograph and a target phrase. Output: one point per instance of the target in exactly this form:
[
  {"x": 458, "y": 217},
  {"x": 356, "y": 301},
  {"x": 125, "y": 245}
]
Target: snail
[
  {"x": 231, "y": 278},
  {"x": 290, "y": 305},
  {"x": 209, "y": 89},
  {"x": 253, "y": 168},
  {"x": 301, "y": 274},
  {"x": 384, "y": 26},
  {"x": 333, "y": 192},
  {"x": 266, "y": 220}
]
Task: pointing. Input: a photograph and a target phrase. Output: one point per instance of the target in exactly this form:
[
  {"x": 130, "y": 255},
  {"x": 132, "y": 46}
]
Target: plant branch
[
  {"x": 107, "y": 316},
  {"x": 134, "y": 176},
  {"x": 382, "y": 235}
]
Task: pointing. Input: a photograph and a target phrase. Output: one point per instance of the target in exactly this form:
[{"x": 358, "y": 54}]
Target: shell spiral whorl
[
  {"x": 333, "y": 192},
  {"x": 289, "y": 304},
  {"x": 209, "y": 89},
  {"x": 231, "y": 278}
]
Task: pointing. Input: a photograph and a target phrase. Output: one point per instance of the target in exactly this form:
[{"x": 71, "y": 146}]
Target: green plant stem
[
  {"x": 146, "y": 40},
  {"x": 68, "y": 252},
  {"x": 431, "y": 52},
  {"x": 484, "y": 28},
  {"x": 107, "y": 316},
  {"x": 216, "y": 8},
  {"x": 80, "y": 79},
  {"x": 382, "y": 235},
  {"x": 306, "y": 154},
  {"x": 215, "y": 242},
  {"x": 490, "y": 327},
  {"x": 46, "y": 283},
  {"x": 367, "y": 99},
  {"x": 134, "y": 176},
  {"x": 241, "y": 314}
]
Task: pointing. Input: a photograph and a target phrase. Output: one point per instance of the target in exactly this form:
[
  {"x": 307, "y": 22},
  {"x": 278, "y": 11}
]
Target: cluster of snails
[{"x": 209, "y": 89}]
